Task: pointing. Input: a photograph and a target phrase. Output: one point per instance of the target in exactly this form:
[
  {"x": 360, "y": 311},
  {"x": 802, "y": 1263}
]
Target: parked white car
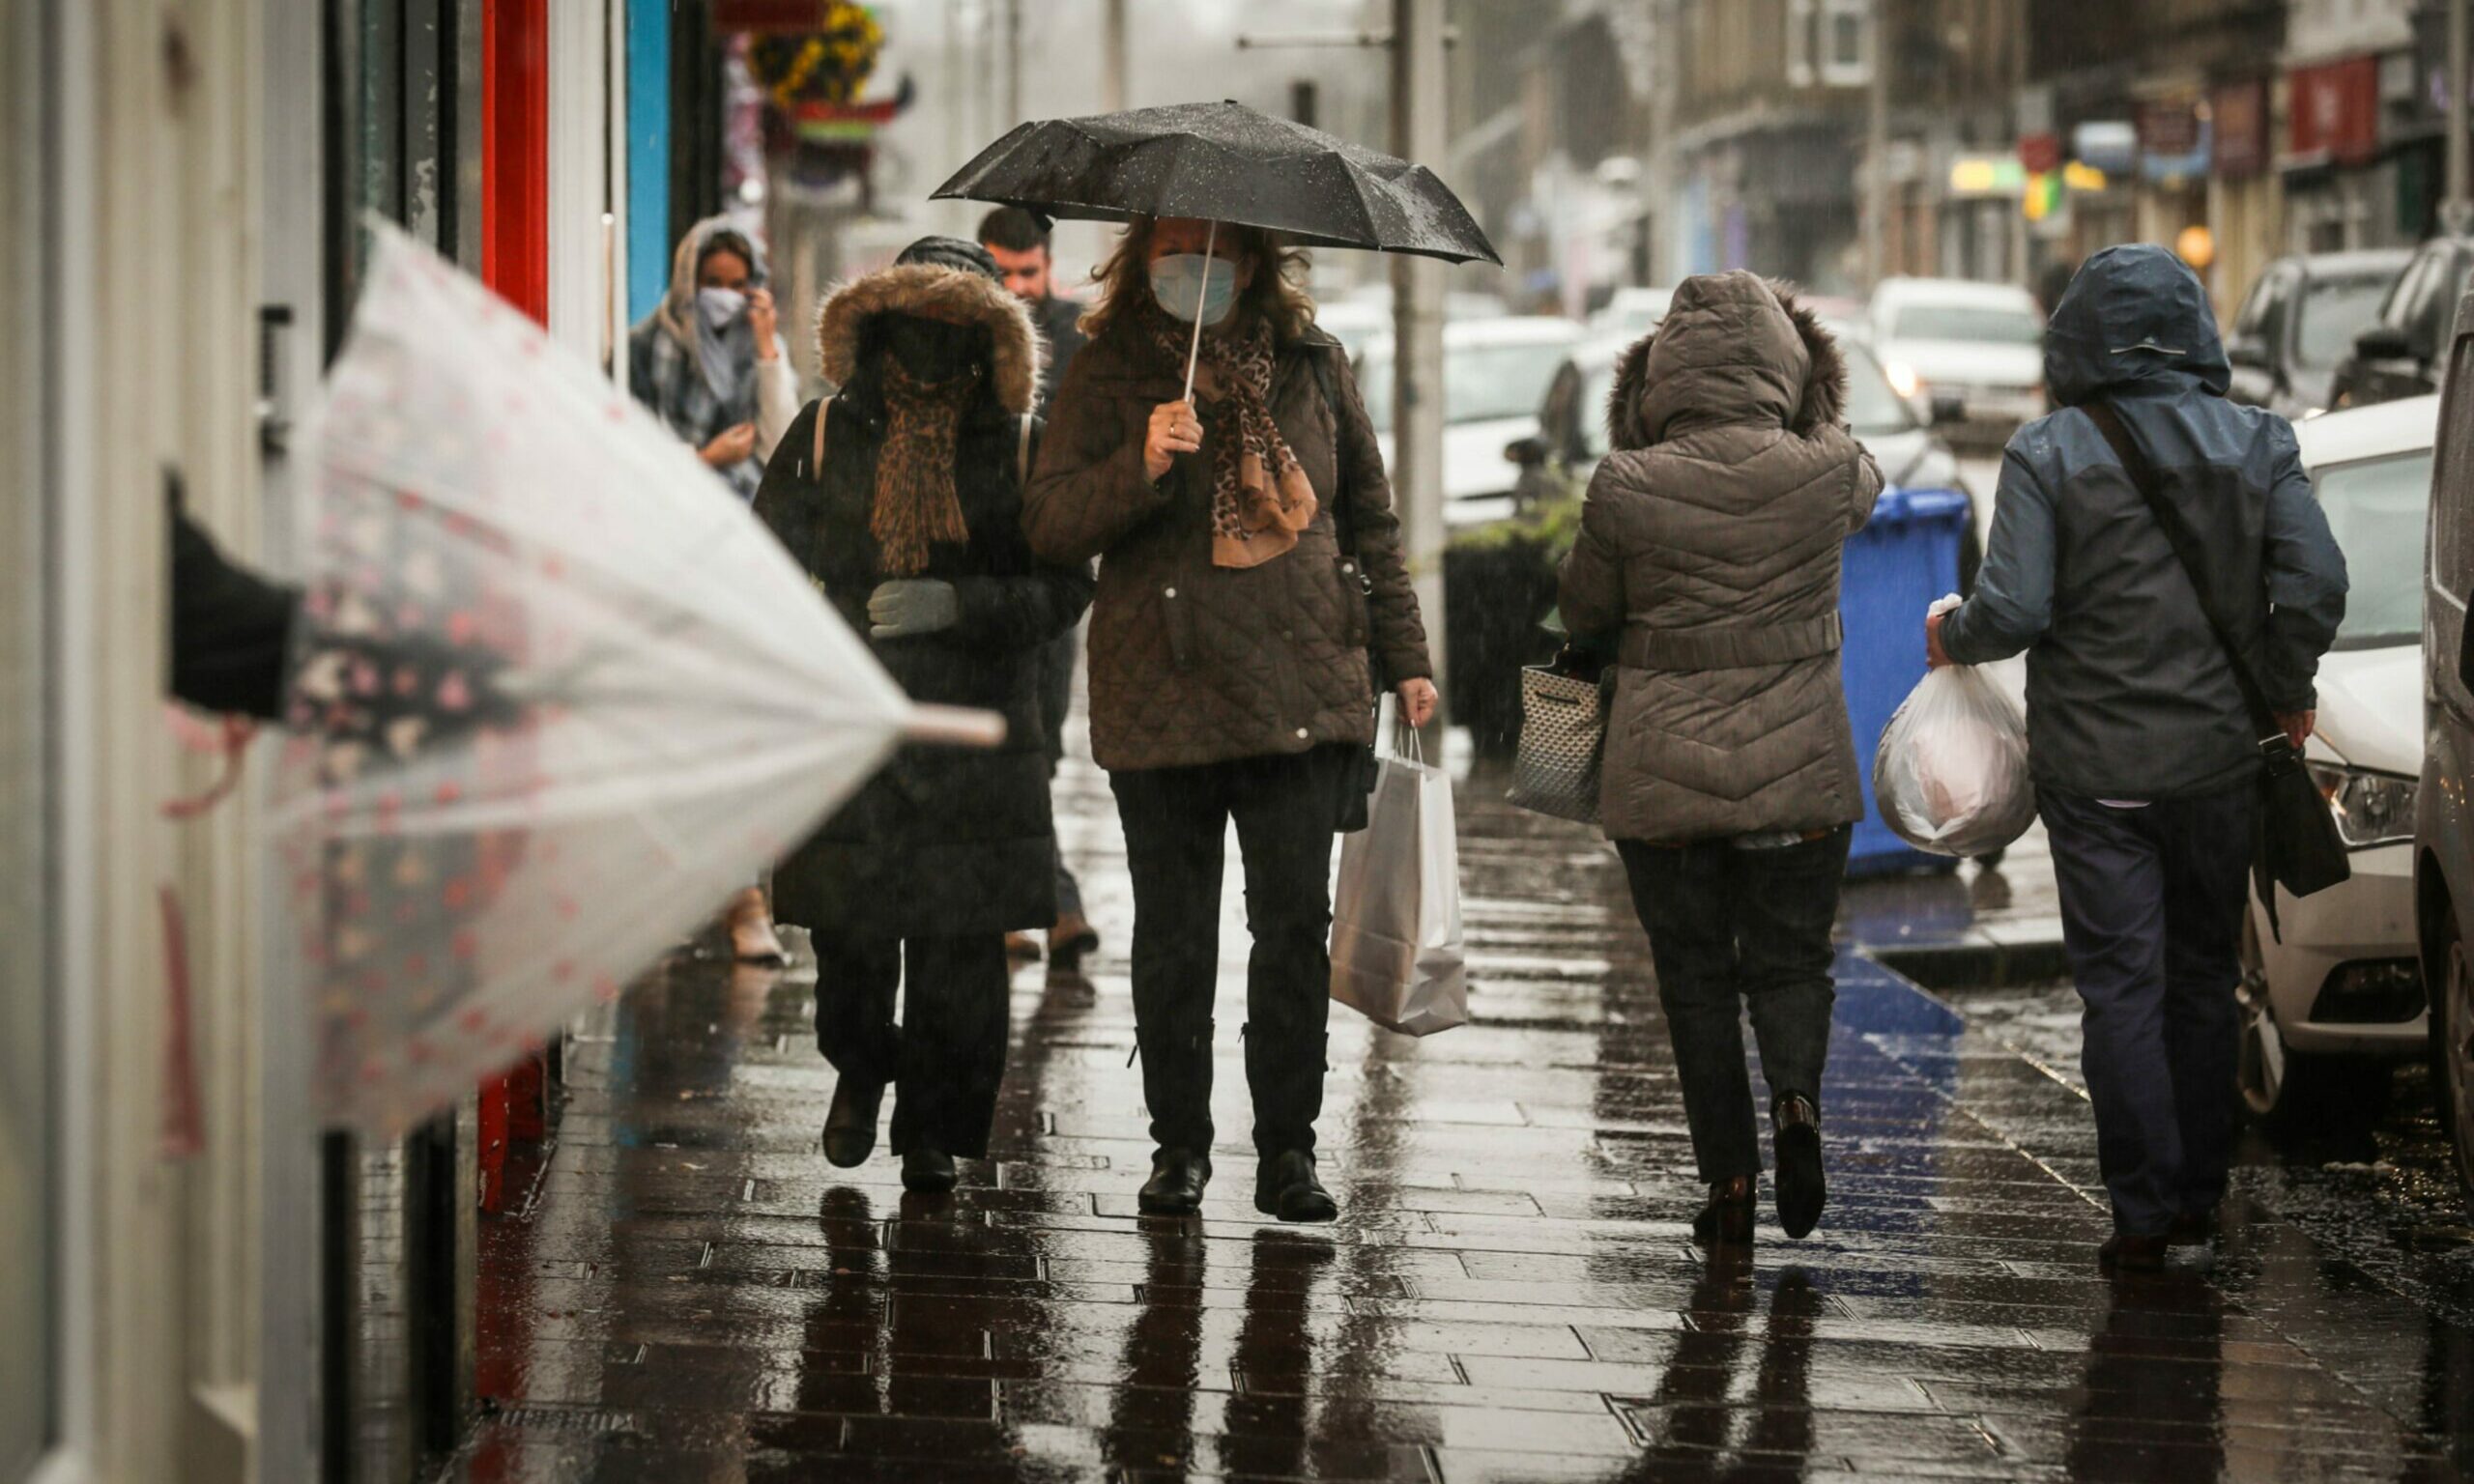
[
  {"x": 1979, "y": 346},
  {"x": 1495, "y": 374},
  {"x": 2329, "y": 1011},
  {"x": 1631, "y": 313}
]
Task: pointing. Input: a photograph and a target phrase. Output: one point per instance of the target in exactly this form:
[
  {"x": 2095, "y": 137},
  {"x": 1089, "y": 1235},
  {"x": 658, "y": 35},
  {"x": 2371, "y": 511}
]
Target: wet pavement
[{"x": 687, "y": 1291}]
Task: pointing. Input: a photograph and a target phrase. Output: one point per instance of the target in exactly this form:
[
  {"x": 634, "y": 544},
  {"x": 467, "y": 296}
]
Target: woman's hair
[
  {"x": 726, "y": 240},
  {"x": 1277, "y": 294}
]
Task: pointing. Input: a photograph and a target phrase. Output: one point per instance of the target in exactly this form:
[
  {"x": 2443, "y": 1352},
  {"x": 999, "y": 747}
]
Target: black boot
[
  {"x": 1176, "y": 1184},
  {"x": 1285, "y": 1186},
  {"x": 1796, "y": 1133},
  {"x": 928, "y": 1172},
  {"x": 850, "y": 1124},
  {"x": 1727, "y": 1221}
]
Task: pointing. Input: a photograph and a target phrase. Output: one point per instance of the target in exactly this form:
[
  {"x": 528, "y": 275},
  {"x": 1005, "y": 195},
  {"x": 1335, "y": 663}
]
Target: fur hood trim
[
  {"x": 935, "y": 293},
  {"x": 1703, "y": 358}
]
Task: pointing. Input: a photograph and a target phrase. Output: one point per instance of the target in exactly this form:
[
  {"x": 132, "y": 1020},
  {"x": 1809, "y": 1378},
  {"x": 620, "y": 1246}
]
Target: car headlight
[
  {"x": 2371, "y": 809},
  {"x": 1903, "y": 379}
]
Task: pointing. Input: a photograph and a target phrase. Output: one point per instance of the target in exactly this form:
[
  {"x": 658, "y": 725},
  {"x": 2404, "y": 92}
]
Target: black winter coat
[{"x": 944, "y": 840}]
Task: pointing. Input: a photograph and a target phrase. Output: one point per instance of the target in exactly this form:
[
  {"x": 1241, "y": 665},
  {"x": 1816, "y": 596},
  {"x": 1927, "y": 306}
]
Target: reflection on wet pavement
[{"x": 690, "y": 1292}]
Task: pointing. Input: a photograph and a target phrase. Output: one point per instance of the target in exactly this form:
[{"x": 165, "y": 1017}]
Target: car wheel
[
  {"x": 2288, "y": 1091},
  {"x": 2452, "y": 1023}
]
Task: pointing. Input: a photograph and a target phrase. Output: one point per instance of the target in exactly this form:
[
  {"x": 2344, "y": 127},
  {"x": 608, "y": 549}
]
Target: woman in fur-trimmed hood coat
[
  {"x": 1710, "y": 553},
  {"x": 945, "y": 838},
  {"x": 1709, "y": 563},
  {"x": 910, "y": 526}
]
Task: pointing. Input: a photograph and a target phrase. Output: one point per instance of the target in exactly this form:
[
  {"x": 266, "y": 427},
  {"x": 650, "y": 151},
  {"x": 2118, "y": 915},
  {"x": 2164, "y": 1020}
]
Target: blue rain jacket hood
[
  {"x": 2129, "y": 692},
  {"x": 2133, "y": 321}
]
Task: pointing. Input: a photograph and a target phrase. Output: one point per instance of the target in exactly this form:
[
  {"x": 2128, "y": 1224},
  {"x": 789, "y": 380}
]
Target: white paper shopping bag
[{"x": 1396, "y": 956}]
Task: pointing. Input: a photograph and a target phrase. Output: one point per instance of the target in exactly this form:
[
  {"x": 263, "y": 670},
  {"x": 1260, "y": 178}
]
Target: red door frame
[{"x": 515, "y": 262}]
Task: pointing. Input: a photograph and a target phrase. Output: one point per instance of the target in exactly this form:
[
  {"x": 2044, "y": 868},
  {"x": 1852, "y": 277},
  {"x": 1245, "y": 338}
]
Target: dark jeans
[
  {"x": 2151, "y": 915},
  {"x": 948, "y": 1056},
  {"x": 1176, "y": 823},
  {"x": 1729, "y": 928}
]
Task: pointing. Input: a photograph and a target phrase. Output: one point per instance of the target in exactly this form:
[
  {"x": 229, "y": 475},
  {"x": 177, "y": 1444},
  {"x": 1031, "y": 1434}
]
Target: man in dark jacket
[
  {"x": 2144, "y": 752},
  {"x": 1018, "y": 242}
]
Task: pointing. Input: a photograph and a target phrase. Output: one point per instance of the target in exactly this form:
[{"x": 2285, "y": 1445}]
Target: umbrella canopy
[
  {"x": 1226, "y": 162},
  {"x": 557, "y": 693}
]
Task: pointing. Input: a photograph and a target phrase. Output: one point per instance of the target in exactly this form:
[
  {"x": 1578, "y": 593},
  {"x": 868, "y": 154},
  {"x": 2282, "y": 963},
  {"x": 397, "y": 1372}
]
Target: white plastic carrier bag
[
  {"x": 1951, "y": 776},
  {"x": 1396, "y": 954}
]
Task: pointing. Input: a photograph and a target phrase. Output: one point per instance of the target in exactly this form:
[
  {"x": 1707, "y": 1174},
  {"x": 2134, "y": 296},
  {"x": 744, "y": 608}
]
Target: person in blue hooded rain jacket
[{"x": 2141, "y": 748}]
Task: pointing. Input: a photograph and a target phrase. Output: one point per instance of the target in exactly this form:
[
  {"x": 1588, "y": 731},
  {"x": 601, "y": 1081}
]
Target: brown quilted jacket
[
  {"x": 1190, "y": 662},
  {"x": 1710, "y": 544}
]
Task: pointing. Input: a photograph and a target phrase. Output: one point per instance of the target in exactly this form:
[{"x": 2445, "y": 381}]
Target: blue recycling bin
[{"x": 1895, "y": 567}]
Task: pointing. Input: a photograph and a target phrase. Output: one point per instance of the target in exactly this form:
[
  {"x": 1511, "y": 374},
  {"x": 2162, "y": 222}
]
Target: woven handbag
[{"x": 1563, "y": 738}]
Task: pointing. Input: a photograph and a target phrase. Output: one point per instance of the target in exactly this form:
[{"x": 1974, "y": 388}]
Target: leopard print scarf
[
  {"x": 1260, "y": 497},
  {"x": 915, "y": 502}
]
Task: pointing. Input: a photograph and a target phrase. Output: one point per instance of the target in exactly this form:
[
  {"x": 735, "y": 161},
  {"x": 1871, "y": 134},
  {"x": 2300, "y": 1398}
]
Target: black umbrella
[{"x": 1223, "y": 162}]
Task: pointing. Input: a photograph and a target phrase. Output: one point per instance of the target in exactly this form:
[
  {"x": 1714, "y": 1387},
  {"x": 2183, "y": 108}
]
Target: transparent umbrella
[{"x": 556, "y": 695}]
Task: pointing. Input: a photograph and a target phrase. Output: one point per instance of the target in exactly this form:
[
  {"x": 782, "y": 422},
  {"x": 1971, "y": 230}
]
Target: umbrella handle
[
  {"x": 954, "y": 727},
  {"x": 1210, "y": 236}
]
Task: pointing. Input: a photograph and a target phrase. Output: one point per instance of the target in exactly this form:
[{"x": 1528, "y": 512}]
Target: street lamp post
[
  {"x": 1877, "y": 143},
  {"x": 2458, "y": 211},
  {"x": 1419, "y": 135}
]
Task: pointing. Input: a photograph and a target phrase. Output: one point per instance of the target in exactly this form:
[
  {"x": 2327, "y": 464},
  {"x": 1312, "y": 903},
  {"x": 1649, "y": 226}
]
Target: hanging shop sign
[
  {"x": 1975, "y": 175},
  {"x": 769, "y": 15},
  {"x": 2333, "y": 112},
  {"x": 2174, "y": 143},
  {"x": 2239, "y": 115},
  {"x": 2110, "y": 145}
]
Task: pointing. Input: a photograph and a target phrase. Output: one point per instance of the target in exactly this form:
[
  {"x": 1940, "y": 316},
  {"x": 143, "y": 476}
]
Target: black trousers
[
  {"x": 1176, "y": 825},
  {"x": 1732, "y": 929},
  {"x": 947, "y": 1058},
  {"x": 2151, "y": 917}
]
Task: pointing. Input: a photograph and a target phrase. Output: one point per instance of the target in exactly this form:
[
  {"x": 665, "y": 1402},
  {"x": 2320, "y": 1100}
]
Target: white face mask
[
  {"x": 1191, "y": 287},
  {"x": 720, "y": 306}
]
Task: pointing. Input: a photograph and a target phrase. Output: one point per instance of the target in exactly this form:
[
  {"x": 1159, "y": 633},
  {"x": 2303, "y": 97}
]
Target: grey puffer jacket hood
[{"x": 1709, "y": 562}]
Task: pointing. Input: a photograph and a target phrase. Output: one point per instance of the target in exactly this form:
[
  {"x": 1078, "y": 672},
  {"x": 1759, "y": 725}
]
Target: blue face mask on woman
[{"x": 1193, "y": 287}]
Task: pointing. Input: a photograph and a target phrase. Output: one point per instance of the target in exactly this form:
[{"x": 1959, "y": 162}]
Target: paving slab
[{"x": 689, "y": 1291}]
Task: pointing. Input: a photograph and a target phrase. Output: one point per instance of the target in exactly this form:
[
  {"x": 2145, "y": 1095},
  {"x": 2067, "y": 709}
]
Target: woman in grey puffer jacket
[{"x": 1707, "y": 565}]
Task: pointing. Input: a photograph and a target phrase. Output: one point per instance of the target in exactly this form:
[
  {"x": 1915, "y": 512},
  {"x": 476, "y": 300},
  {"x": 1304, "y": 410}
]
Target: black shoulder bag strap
[
  {"x": 1363, "y": 771},
  {"x": 2297, "y": 845}
]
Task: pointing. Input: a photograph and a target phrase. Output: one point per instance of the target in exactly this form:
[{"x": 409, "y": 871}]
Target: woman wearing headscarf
[
  {"x": 1251, "y": 588},
  {"x": 901, "y": 496},
  {"x": 1708, "y": 563},
  {"x": 709, "y": 361}
]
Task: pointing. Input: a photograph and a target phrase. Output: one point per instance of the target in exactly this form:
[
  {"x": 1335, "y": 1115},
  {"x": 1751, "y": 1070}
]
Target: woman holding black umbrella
[{"x": 1251, "y": 593}]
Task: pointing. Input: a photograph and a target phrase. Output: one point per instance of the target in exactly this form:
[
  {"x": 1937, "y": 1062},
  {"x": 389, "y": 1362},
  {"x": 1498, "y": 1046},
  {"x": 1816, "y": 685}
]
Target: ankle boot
[
  {"x": 1285, "y": 1186},
  {"x": 1795, "y": 1136},
  {"x": 1178, "y": 1177},
  {"x": 850, "y": 1124},
  {"x": 1727, "y": 1221}
]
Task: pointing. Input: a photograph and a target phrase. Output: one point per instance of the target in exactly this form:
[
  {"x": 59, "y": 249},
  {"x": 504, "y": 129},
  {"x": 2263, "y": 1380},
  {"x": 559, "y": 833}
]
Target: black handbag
[
  {"x": 2295, "y": 843},
  {"x": 1359, "y": 776}
]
